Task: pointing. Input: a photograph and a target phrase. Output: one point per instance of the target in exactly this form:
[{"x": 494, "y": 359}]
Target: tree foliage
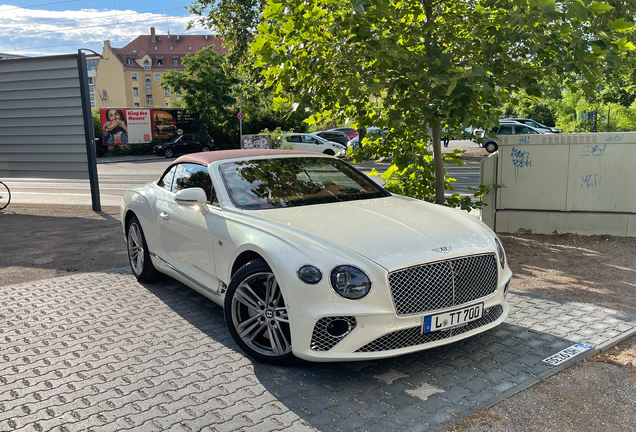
[{"x": 428, "y": 64}]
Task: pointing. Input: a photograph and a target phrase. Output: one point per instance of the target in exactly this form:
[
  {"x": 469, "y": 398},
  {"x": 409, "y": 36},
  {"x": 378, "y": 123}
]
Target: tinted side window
[
  {"x": 505, "y": 130},
  {"x": 166, "y": 180},
  {"x": 293, "y": 138},
  {"x": 309, "y": 140},
  {"x": 191, "y": 176},
  {"x": 523, "y": 130}
]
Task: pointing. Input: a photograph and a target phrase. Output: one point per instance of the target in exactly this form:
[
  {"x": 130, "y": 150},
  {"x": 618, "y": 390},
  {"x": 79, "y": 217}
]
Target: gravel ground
[{"x": 40, "y": 242}]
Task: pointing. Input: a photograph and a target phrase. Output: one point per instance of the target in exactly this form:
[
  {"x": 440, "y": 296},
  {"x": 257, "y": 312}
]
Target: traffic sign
[{"x": 240, "y": 116}]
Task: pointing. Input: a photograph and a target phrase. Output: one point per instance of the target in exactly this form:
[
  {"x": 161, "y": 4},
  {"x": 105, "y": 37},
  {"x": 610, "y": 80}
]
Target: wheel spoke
[
  {"x": 133, "y": 234},
  {"x": 251, "y": 328},
  {"x": 247, "y": 293},
  {"x": 277, "y": 339},
  {"x": 140, "y": 260},
  {"x": 247, "y": 297},
  {"x": 272, "y": 290}
]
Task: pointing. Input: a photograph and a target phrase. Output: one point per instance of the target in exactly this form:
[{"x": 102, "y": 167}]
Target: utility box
[{"x": 575, "y": 183}]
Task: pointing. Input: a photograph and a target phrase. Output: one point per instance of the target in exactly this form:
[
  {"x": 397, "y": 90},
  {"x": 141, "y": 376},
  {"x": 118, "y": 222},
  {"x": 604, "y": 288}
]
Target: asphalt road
[{"x": 116, "y": 175}]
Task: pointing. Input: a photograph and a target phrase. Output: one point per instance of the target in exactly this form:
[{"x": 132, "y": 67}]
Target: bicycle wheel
[{"x": 5, "y": 196}]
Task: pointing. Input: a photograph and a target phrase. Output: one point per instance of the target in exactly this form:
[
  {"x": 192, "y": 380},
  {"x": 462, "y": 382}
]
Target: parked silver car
[
  {"x": 491, "y": 144},
  {"x": 533, "y": 123}
]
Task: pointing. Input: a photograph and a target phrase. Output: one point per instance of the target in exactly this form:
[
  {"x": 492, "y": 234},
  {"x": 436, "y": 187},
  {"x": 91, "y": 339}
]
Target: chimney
[
  {"x": 168, "y": 34},
  {"x": 153, "y": 37},
  {"x": 106, "y": 49}
]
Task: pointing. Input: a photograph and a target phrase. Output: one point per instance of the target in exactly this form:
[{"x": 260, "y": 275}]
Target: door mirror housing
[
  {"x": 378, "y": 180},
  {"x": 193, "y": 197}
]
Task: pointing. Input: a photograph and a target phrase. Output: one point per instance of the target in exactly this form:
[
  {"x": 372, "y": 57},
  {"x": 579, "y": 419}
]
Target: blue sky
[{"x": 47, "y": 27}]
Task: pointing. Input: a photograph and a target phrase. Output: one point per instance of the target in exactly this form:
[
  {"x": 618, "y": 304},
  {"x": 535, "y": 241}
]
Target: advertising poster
[
  {"x": 143, "y": 125},
  {"x": 126, "y": 126}
]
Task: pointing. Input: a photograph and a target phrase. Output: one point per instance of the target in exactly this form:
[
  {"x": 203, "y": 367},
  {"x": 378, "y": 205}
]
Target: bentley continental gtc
[{"x": 311, "y": 258}]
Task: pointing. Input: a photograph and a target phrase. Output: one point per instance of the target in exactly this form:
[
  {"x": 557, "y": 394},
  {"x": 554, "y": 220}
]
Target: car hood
[{"x": 393, "y": 232}]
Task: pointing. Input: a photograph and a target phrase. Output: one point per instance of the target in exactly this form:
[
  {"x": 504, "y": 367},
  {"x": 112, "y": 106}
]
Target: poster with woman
[
  {"x": 126, "y": 125},
  {"x": 114, "y": 126}
]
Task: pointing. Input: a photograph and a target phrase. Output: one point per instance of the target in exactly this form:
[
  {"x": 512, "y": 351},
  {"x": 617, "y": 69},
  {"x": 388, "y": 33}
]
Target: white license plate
[{"x": 454, "y": 318}]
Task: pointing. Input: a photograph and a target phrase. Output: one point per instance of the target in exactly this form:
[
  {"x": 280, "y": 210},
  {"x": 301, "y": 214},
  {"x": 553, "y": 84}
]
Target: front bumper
[{"x": 380, "y": 333}]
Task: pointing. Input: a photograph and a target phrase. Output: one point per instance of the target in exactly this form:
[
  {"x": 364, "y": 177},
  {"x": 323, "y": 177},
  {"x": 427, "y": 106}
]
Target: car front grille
[
  {"x": 443, "y": 284},
  {"x": 413, "y": 336},
  {"x": 323, "y": 341}
]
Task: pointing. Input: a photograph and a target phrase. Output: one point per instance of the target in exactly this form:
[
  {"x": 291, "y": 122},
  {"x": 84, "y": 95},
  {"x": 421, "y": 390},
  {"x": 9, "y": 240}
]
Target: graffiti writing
[
  {"x": 520, "y": 159},
  {"x": 594, "y": 150},
  {"x": 614, "y": 138},
  {"x": 524, "y": 140},
  {"x": 590, "y": 181}
]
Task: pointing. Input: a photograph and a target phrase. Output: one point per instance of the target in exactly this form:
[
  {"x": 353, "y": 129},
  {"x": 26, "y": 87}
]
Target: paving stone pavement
[{"x": 101, "y": 352}]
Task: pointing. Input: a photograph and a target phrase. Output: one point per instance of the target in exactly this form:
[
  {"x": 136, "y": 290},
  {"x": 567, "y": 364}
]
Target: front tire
[
  {"x": 168, "y": 153},
  {"x": 256, "y": 314},
  {"x": 205, "y": 149},
  {"x": 138, "y": 254},
  {"x": 491, "y": 147}
]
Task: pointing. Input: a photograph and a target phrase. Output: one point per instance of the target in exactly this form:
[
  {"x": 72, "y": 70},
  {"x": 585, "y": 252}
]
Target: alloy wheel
[
  {"x": 259, "y": 315},
  {"x": 135, "y": 249},
  {"x": 168, "y": 153}
]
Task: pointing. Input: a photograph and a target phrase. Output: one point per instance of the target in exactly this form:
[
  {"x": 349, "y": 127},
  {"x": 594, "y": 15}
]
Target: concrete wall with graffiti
[{"x": 576, "y": 183}]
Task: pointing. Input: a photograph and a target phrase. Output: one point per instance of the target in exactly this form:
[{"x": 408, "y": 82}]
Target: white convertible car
[{"x": 313, "y": 259}]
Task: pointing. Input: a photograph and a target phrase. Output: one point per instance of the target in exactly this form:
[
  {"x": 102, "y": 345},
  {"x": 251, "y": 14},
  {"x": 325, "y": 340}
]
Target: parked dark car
[
  {"x": 350, "y": 132},
  {"x": 334, "y": 136},
  {"x": 186, "y": 143}
]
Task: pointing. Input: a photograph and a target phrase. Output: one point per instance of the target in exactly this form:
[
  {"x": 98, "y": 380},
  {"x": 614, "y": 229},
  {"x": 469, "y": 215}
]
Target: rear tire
[
  {"x": 491, "y": 147},
  {"x": 329, "y": 152},
  {"x": 205, "y": 149},
  {"x": 138, "y": 254},
  {"x": 5, "y": 196},
  {"x": 256, "y": 314}
]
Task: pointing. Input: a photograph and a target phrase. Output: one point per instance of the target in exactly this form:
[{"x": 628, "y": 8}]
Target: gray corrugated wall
[{"x": 41, "y": 119}]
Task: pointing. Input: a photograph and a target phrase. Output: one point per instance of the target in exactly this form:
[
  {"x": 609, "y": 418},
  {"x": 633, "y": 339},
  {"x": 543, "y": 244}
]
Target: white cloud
[{"x": 45, "y": 32}]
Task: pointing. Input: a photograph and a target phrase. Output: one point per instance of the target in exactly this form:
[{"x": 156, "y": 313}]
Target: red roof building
[{"x": 130, "y": 76}]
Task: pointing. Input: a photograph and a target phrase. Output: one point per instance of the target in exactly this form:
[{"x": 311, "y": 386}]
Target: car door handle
[{"x": 164, "y": 216}]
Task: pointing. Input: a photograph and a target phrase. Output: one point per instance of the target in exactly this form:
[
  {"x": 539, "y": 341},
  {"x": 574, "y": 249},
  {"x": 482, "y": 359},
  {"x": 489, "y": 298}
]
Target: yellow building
[{"x": 130, "y": 76}]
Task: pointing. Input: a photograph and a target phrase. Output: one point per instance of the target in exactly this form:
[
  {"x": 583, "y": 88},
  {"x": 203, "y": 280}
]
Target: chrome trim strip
[{"x": 211, "y": 291}]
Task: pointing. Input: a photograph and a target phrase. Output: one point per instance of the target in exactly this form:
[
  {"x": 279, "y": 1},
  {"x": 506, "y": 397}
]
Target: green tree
[
  {"x": 429, "y": 64},
  {"x": 208, "y": 92}
]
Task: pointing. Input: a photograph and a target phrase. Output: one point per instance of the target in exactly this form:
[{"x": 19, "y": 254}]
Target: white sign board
[{"x": 256, "y": 142}]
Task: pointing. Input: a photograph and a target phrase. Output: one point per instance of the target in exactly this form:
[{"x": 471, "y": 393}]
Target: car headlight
[
  {"x": 309, "y": 274},
  {"x": 350, "y": 282},
  {"x": 501, "y": 253}
]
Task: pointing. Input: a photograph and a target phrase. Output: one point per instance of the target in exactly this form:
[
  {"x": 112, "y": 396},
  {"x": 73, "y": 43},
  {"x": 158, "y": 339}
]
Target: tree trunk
[{"x": 439, "y": 167}]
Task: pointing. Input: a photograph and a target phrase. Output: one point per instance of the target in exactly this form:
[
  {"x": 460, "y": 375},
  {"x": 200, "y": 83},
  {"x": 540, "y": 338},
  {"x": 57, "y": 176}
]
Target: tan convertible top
[{"x": 206, "y": 158}]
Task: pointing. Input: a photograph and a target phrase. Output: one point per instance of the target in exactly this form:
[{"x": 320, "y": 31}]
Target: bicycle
[{"x": 5, "y": 196}]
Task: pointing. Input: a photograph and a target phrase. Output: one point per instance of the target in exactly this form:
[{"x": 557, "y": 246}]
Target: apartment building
[{"x": 130, "y": 76}]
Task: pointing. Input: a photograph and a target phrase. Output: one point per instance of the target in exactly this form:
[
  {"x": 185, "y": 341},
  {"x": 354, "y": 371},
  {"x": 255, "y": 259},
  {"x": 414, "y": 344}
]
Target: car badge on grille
[{"x": 443, "y": 249}]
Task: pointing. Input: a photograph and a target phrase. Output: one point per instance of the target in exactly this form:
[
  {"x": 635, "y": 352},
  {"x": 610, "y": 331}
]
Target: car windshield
[{"x": 287, "y": 182}]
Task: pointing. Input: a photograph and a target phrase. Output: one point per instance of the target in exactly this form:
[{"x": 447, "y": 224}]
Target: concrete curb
[
  {"x": 120, "y": 159},
  {"x": 521, "y": 387}
]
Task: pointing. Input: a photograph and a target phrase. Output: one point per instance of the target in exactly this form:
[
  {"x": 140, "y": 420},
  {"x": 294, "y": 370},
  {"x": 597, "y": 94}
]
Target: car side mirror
[
  {"x": 193, "y": 197},
  {"x": 378, "y": 180}
]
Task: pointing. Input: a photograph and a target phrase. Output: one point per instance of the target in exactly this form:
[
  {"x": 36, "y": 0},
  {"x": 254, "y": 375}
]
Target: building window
[
  {"x": 175, "y": 62},
  {"x": 166, "y": 92},
  {"x": 127, "y": 61},
  {"x": 149, "y": 100},
  {"x": 134, "y": 76},
  {"x": 90, "y": 80},
  {"x": 93, "y": 104},
  {"x": 155, "y": 48},
  {"x": 167, "y": 105},
  {"x": 157, "y": 77},
  {"x": 91, "y": 89},
  {"x": 92, "y": 97},
  {"x": 189, "y": 48},
  {"x": 148, "y": 83},
  {"x": 136, "y": 104},
  {"x": 159, "y": 62},
  {"x": 134, "y": 51},
  {"x": 135, "y": 91},
  {"x": 170, "y": 48},
  {"x": 146, "y": 65},
  {"x": 218, "y": 48}
]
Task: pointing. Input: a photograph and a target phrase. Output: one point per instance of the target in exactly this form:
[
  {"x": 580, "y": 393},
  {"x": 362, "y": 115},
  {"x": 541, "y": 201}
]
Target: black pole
[
  {"x": 89, "y": 132},
  {"x": 608, "y": 119},
  {"x": 595, "y": 117}
]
